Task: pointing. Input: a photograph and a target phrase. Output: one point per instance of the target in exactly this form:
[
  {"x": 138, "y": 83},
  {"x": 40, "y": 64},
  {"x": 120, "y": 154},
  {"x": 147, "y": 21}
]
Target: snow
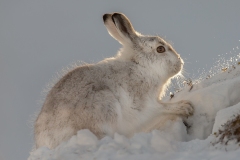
[
  {"x": 208, "y": 97},
  {"x": 225, "y": 115},
  {"x": 216, "y": 100}
]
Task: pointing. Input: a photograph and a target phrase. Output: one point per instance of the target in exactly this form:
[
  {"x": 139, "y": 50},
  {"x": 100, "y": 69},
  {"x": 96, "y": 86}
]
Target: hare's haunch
[{"x": 119, "y": 94}]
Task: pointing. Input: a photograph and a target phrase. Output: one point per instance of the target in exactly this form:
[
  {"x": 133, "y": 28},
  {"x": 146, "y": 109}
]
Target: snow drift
[{"x": 216, "y": 101}]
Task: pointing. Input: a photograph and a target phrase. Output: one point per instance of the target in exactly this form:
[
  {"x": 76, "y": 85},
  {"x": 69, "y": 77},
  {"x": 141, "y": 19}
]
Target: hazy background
[{"x": 40, "y": 37}]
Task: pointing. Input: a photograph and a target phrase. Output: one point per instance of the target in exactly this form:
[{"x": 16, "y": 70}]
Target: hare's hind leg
[{"x": 99, "y": 112}]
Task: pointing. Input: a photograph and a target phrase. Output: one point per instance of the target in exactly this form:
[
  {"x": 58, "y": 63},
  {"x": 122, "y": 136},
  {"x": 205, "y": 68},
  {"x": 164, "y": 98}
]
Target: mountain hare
[{"x": 119, "y": 94}]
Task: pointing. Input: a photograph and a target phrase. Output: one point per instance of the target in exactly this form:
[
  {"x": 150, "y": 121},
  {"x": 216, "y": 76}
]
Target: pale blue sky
[{"x": 39, "y": 38}]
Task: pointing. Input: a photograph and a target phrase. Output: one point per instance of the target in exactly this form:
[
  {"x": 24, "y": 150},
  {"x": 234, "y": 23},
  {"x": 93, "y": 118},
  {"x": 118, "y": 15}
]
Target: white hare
[{"x": 119, "y": 94}]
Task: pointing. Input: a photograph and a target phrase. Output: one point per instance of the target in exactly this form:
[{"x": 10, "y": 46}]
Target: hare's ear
[
  {"x": 119, "y": 27},
  {"x": 112, "y": 30},
  {"x": 124, "y": 26}
]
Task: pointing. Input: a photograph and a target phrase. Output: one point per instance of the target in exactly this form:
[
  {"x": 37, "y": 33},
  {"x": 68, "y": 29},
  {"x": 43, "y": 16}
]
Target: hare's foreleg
[
  {"x": 156, "y": 117},
  {"x": 183, "y": 108}
]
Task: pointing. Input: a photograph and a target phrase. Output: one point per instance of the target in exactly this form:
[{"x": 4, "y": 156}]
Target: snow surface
[{"x": 215, "y": 99}]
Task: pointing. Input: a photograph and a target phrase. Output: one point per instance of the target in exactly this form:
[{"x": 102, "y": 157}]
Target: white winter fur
[{"x": 119, "y": 94}]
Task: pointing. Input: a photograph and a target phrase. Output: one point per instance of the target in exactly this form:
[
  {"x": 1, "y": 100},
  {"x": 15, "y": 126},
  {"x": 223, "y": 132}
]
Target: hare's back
[{"x": 75, "y": 82}]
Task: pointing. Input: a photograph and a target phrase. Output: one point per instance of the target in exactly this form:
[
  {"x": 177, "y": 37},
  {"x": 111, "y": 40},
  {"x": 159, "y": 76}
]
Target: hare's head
[{"x": 151, "y": 52}]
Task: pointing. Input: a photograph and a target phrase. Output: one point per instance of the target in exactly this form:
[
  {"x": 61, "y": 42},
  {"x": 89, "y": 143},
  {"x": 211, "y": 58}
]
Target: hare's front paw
[{"x": 185, "y": 108}]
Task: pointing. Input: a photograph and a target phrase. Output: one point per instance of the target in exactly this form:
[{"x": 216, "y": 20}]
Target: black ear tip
[
  {"x": 105, "y": 16},
  {"x": 116, "y": 15}
]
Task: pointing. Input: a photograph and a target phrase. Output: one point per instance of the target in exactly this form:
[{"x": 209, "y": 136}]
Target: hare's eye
[{"x": 160, "y": 49}]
